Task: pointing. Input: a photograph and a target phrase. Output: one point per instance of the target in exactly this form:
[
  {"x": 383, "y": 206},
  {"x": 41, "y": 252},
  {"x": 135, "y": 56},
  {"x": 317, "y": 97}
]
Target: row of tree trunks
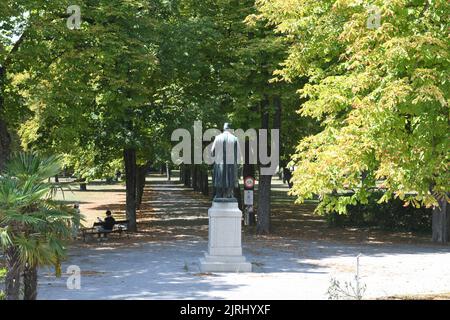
[
  {"x": 195, "y": 177},
  {"x": 200, "y": 179},
  {"x": 129, "y": 156},
  {"x": 165, "y": 169}
]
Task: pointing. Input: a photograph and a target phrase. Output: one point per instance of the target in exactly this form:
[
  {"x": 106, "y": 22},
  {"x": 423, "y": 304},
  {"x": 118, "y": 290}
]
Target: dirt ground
[
  {"x": 297, "y": 261},
  {"x": 174, "y": 212}
]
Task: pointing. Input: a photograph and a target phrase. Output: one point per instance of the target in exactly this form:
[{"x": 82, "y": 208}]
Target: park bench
[{"x": 120, "y": 227}]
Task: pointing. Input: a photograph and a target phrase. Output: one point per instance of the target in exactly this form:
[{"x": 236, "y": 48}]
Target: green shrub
[{"x": 388, "y": 216}]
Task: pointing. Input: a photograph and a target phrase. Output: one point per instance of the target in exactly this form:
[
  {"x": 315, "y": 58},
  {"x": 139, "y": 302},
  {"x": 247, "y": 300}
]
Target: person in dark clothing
[
  {"x": 107, "y": 224},
  {"x": 109, "y": 221},
  {"x": 287, "y": 175}
]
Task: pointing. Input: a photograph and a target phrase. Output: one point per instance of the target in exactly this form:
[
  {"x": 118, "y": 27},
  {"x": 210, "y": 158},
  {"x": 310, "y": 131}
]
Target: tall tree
[
  {"x": 380, "y": 91},
  {"x": 258, "y": 99},
  {"x": 100, "y": 101}
]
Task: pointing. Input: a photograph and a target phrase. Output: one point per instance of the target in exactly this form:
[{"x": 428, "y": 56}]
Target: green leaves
[
  {"x": 381, "y": 95},
  {"x": 29, "y": 220},
  {"x": 30, "y": 166},
  {"x": 5, "y": 239}
]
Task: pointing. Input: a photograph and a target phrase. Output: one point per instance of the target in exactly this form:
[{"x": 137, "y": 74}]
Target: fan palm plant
[{"x": 33, "y": 227}]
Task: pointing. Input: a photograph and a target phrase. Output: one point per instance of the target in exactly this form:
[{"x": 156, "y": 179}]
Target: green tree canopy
[{"x": 381, "y": 94}]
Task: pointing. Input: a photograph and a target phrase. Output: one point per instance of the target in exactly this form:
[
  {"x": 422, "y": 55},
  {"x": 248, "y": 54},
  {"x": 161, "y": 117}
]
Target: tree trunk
[
  {"x": 238, "y": 195},
  {"x": 187, "y": 175},
  {"x": 201, "y": 180},
  {"x": 168, "y": 171},
  {"x": 205, "y": 187},
  {"x": 277, "y": 115},
  {"x": 30, "y": 282},
  {"x": 248, "y": 170},
  {"x": 5, "y": 143},
  {"x": 140, "y": 184},
  {"x": 130, "y": 176},
  {"x": 264, "y": 186},
  {"x": 264, "y": 190},
  {"x": 83, "y": 185},
  {"x": 199, "y": 176},
  {"x": 194, "y": 177},
  {"x": 14, "y": 269},
  {"x": 5, "y": 138},
  {"x": 441, "y": 222},
  {"x": 182, "y": 173}
]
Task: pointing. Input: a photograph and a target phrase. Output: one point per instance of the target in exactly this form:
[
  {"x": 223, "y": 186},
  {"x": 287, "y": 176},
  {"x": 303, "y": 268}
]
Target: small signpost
[
  {"x": 248, "y": 197},
  {"x": 249, "y": 216}
]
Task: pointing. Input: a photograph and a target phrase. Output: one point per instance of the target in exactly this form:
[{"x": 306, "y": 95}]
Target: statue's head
[{"x": 226, "y": 126}]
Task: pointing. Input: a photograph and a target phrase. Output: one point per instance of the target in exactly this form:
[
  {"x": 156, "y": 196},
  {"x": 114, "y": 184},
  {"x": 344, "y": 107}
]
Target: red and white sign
[{"x": 249, "y": 182}]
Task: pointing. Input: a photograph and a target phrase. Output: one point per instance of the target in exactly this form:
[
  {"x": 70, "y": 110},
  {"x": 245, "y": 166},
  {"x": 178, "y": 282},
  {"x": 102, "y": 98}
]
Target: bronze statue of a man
[{"x": 226, "y": 152}]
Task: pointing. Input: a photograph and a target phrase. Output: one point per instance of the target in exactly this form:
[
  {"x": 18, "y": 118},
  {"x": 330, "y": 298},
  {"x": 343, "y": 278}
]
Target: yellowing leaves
[{"x": 380, "y": 94}]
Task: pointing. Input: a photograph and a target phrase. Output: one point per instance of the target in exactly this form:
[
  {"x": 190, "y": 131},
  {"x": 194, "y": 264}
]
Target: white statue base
[{"x": 224, "y": 245}]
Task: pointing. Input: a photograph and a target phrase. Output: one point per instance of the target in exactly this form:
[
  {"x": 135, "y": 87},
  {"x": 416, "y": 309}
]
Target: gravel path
[
  {"x": 169, "y": 270},
  {"x": 283, "y": 268}
]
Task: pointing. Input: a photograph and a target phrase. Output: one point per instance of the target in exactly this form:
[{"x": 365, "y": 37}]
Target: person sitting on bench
[{"x": 108, "y": 223}]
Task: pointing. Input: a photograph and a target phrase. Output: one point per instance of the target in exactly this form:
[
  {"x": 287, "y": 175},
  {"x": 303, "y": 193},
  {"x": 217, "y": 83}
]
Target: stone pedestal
[{"x": 224, "y": 245}]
